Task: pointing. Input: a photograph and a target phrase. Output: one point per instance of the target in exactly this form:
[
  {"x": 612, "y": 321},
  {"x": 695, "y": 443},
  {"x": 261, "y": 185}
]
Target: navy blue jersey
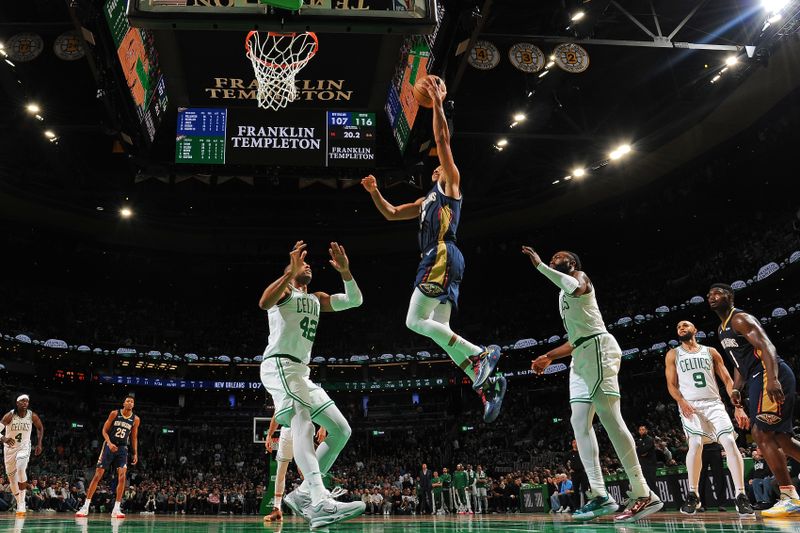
[
  {"x": 438, "y": 218},
  {"x": 121, "y": 428},
  {"x": 744, "y": 355}
]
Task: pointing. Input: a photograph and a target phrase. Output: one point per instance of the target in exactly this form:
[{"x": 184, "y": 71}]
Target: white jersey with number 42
[
  {"x": 696, "y": 378},
  {"x": 293, "y": 326}
]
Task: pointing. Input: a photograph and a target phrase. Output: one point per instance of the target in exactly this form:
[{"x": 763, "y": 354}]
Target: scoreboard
[{"x": 301, "y": 138}]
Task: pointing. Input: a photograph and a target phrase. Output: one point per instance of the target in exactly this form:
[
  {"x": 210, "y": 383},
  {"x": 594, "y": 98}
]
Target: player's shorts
[
  {"x": 710, "y": 420},
  {"x": 595, "y": 366},
  {"x": 285, "y": 447},
  {"x": 16, "y": 461},
  {"x": 480, "y": 491},
  {"x": 118, "y": 459},
  {"x": 287, "y": 381},
  {"x": 440, "y": 272},
  {"x": 769, "y": 415}
]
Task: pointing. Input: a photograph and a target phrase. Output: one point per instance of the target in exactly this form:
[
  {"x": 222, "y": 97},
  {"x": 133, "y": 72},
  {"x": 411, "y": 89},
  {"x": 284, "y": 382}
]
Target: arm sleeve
[
  {"x": 566, "y": 283},
  {"x": 2, "y": 426},
  {"x": 351, "y": 297}
]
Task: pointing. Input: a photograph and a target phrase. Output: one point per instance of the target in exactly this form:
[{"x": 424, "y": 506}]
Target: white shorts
[
  {"x": 710, "y": 420},
  {"x": 595, "y": 366},
  {"x": 289, "y": 385},
  {"x": 481, "y": 492},
  {"x": 17, "y": 462},
  {"x": 285, "y": 448}
]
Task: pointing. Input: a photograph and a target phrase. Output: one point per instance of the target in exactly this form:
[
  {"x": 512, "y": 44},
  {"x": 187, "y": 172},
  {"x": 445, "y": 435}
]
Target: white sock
[
  {"x": 117, "y": 506},
  {"x": 694, "y": 462},
  {"x": 276, "y": 502},
  {"x": 735, "y": 461},
  {"x": 608, "y": 409},
  {"x": 422, "y": 316},
  {"x": 304, "y": 455},
  {"x": 21, "y": 500},
  {"x": 87, "y": 503},
  {"x": 588, "y": 449}
]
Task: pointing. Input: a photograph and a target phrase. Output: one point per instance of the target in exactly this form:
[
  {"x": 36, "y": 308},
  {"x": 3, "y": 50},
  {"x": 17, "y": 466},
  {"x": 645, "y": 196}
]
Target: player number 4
[
  {"x": 18, "y": 438},
  {"x": 309, "y": 328},
  {"x": 699, "y": 380}
]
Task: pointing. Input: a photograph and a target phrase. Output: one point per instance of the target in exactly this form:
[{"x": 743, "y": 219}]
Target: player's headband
[{"x": 23, "y": 397}]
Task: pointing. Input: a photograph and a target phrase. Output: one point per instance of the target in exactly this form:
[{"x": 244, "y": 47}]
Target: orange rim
[{"x": 278, "y": 34}]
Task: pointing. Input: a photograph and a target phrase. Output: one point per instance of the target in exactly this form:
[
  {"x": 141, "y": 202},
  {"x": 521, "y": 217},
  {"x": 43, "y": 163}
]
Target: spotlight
[
  {"x": 715, "y": 78},
  {"x": 9, "y": 62},
  {"x": 615, "y": 154},
  {"x": 567, "y": 178},
  {"x": 773, "y": 6},
  {"x": 39, "y": 117},
  {"x": 544, "y": 73},
  {"x": 731, "y": 61},
  {"x": 126, "y": 212},
  {"x": 774, "y": 18},
  {"x": 577, "y": 16},
  {"x": 49, "y": 134},
  {"x": 550, "y": 64},
  {"x": 624, "y": 149},
  {"x": 555, "y": 182},
  {"x": 578, "y": 172},
  {"x": 502, "y": 142},
  {"x": 519, "y": 117},
  {"x": 33, "y": 109}
]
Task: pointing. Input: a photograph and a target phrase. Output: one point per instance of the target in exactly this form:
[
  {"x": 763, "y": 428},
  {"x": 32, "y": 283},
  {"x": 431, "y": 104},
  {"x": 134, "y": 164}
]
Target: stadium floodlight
[
  {"x": 519, "y": 117},
  {"x": 773, "y": 6},
  {"x": 544, "y": 73},
  {"x": 579, "y": 172},
  {"x": 550, "y": 64},
  {"x": 502, "y": 142},
  {"x": 615, "y": 155},
  {"x": 578, "y": 15},
  {"x": 624, "y": 149},
  {"x": 50, "y": 134},
  {"x": 731, "y": 60},
  {"x": 33, "y": 108},
  {"x": 126, "y": 212},
  {"x": 567, "y": 178},
  {"x": 715, "y": 78}
]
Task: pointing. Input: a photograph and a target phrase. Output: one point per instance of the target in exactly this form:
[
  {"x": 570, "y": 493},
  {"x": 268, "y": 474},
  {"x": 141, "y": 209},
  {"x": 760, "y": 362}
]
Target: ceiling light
[
  {"x": 731, "y": 61},
  {"x": 39, "y": 117},
  {"x": 577, "y": 16},
  {"x": 624, "y": 148},
  {"x": 10, "y": 63},
  {"x": 33, "y": 109},
  {"x": 556, "y": 181},
  {"x": 544, "y": 73},
  {"x": 715, "y": 78},
  {"x": 723, "y": 70},
  {"x": 550, "y": 64},
  {"x": 125, "y": 212},
  {"x": 567, "y": 178},
  {"x": 502, "y": 142},
  {"x": 615, "y": 154},
  {"x": 774, "y": 18},
  {"x": 49, "y": 134},
  {"x": 519, "y": 117},
  {"x": 99, "y": 208},
  {"x": 578, "y": 172},
  {"x": 498, "y": 148},
  {"x": 513, "y": 124},
  {"x": 773, "y": 6}
]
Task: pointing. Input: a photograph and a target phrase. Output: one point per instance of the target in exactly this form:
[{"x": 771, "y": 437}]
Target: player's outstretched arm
[
  {"x": 37, "y": 423},
  {"x": 352, "y": 294},
  {"x": 574, "y": 284},
  {"x": 278, "y": 288},
  {"x": 389, "y": 211},
  {"x": 441, "y": 135},
  {"x": 539, "y": 364}
]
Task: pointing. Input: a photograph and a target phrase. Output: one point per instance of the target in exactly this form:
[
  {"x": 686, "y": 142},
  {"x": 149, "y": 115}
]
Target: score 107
[{"x": 351, "y": 119}]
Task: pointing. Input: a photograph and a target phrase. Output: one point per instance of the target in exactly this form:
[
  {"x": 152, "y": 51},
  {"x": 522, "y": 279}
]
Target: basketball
[{"x": 421, "y": 95}]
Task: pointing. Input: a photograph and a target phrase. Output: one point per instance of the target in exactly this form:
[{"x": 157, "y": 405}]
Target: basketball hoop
[{"x": 276, "y": 59}]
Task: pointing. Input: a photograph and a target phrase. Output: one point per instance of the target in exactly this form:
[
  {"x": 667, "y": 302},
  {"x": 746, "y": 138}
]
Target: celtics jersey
[
  {"x": 696, "y": 379},
  {"x": 460, "y": 479},
  {"x": 20, "y": 430},
  {"x": 581, "y": 316},
  {"x": 293, "y": 326}
]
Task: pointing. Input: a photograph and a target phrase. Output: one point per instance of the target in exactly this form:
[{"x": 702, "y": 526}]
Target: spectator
[
  {"x": 425, "y": 490},
  {"x": 646, "y": 450},
  {"x": 760, "y": 479}
]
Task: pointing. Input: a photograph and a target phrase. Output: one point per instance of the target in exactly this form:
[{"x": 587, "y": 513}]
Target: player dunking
[
  {"x": 120, "y": 430},
  {"x": 18, "y": 425},
  {"x": 442, "y": 265},
  {"x": 690, "y": 370},
  {"x": 284, "y": 455},
  {"x": 771, "y": 392},
  {"x": 293, "y": 318},
  {"x": 593, "y": 388}
]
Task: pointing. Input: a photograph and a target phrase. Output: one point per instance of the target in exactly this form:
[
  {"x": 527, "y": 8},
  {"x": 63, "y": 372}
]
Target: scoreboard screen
[{"x": 299, "y": 138}]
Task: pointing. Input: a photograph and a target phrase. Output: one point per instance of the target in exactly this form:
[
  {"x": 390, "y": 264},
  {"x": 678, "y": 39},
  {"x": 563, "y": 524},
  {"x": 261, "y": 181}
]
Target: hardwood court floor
[{"x": 665, "y": 522}]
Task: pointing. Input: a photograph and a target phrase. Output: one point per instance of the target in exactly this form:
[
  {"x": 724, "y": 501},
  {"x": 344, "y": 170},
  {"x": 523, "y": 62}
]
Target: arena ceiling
[{"x": 657, "y": 80}]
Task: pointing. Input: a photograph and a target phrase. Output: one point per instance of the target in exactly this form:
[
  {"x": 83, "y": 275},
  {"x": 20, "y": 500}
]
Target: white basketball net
[{"x": 276, "y": 59}]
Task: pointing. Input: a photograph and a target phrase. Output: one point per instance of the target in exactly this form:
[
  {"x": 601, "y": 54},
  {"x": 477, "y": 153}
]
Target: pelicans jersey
[
  {"x": 745, "y": 357},
  {"x": 441, "y": 268},
  {"x": 438, "y": 218},
  {"x": 293, "y": 326},
  {"x": 120, "y": 431},
  {"x": 696, "y": 379}
]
